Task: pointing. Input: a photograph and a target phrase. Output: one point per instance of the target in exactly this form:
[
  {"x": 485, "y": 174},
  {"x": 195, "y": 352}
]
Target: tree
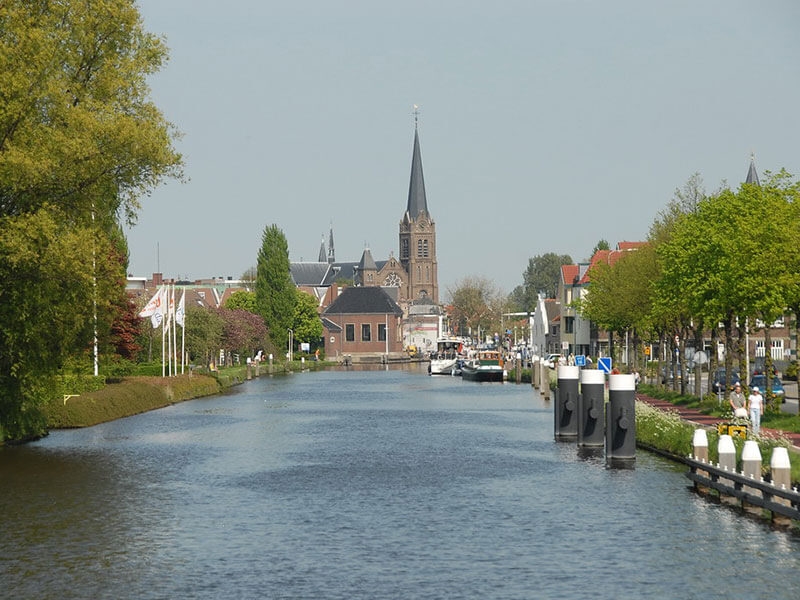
[
  {"x": 541, "y": 276},
  {"x": 476, "y": 306},
  {"x": 275, "y": 291},
  {"x": 243, "y": 332},
  {"x": 204, "y": 331},
  {"x": 306, "y": 323},
  {"x": 80, "y": 142},
  {"x": 76, "y": 124},
  {"x": 46, "y": 310},
  {"x": 241, "y": 300}
]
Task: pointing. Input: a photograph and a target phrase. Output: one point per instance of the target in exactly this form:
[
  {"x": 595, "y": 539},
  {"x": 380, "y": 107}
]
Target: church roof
[
  {"x": 309, "y": 273},
  {"x": 363, "y": 300},
  {"x": 367, "y": 262},
  {"x": 417, "y": 202},
  {"x": 752, "y": 174}
]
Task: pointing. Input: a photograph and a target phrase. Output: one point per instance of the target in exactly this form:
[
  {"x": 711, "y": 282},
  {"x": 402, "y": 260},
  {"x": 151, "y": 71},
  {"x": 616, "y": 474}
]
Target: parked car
[
  {"x": 760, "y": 381},
  {"x": 718, "y": 383},
  {"x": 552, "y": 360}
]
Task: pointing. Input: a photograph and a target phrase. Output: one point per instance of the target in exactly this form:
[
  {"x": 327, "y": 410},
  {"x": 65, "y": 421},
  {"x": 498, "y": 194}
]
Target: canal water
[{"x": 365, "y": 484}]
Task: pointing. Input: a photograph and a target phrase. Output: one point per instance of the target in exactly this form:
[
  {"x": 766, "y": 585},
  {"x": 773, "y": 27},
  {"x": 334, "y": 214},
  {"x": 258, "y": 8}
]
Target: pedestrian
[
  {"x": 755, "y": 406},
  {"x": 738, "y": 401}
]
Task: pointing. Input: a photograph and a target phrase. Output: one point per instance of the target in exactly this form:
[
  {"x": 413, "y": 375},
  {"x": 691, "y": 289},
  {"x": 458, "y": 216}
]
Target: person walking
[
  {"x": 738, "y": 401},
  {"x": 755, "y": 406}
]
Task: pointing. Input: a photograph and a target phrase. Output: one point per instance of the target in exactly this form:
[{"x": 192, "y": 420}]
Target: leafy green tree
[
  {"x": 80, "y": 142},
  {"x": 77, "y": 124},
  {"x": 306, "y": 323},
  {"x": 204, "y": 334},
  {"x": 541, "y": 275},
  {"x": 275, "y": 291},
  {"x": 241, "y": 300},
  {"x": 46, "y": 310}
]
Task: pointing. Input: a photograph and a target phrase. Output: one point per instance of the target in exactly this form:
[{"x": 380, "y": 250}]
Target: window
[
  {"x": 404, "y": 248},
  {"x": 569, "y": 325},
  {"x": 424, "y": 248},
  {"x": 366, "y": 334},
  {"x": 419, "y": 248},
  {"x": 381, "y": 332},
  {"x": 350, "y": 332}
]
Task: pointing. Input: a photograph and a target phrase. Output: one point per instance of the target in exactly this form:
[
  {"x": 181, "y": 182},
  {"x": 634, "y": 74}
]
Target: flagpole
[
  {"x": 183, "y": 329},
  {"x": 163, "y": 349}
]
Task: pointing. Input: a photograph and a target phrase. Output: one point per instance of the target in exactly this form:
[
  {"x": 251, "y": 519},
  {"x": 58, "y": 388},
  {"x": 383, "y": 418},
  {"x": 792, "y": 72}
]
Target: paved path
[{"x": 695, "y": 416}]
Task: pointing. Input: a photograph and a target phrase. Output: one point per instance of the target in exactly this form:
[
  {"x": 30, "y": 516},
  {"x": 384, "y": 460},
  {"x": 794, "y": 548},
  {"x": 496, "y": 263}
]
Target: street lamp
[{"x": 291, "y": 344}]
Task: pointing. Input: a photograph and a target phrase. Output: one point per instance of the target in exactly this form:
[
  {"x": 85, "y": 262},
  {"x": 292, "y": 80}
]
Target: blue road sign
[
  {"x": 604, "y": 364},
  {"x": 580, "y": 360}
]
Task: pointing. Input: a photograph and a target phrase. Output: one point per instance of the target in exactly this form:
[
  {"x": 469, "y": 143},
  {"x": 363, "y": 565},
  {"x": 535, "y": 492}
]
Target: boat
[
  {"x": 486, "y": 365},
  {"x": 445, "y": 360}
]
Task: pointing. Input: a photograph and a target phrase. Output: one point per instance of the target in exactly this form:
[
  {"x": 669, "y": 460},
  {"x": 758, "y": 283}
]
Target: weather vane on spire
[{"x": 416, "y": 115}]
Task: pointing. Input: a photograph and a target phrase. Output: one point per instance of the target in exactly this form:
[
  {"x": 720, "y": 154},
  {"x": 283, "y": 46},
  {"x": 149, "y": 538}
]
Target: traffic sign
[
  {"x": 580, "y": 360},
  {"x": 604, "y": 364}
]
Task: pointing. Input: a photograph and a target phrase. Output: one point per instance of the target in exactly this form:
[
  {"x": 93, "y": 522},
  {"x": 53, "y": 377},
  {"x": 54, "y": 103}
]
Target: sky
[{"x": 545, "y": 125}]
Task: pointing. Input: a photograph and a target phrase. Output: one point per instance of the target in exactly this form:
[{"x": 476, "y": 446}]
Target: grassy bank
[
  {"x": 129, "y": 396},
  {"x": 666, "y": 432}
]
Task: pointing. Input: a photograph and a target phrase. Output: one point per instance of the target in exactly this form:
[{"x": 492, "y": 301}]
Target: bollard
[
  {"x": 535, "y": 373},
  {"x": 270, "y": 364},
  {"x": 621, "y": 421},
  {"x": 591, "y": 409},
  {"x": 249, "y": 372},
  {"x": 545, "y": 383},
  {"x": 700, "y": 452},
  {"x": 565, "y": 410},
  {"x": 727, "y": 461},
  {"x": 751, "y": 467},
  {"x": 700, "y": 445},
  {"x": 781, "y": 470}
]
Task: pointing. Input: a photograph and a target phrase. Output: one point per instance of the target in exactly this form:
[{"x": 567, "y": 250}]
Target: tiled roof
[{"x": 363, "y": 300}]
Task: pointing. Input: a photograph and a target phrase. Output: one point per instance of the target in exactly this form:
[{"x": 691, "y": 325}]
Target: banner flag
[
  {"x": 180, "y": 312},
  {"x": 158, "y": 316},
  {"x": 152, "y": 306}
]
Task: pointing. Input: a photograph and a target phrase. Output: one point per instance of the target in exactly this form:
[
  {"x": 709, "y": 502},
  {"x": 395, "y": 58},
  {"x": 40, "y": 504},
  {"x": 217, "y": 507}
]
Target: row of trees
[{"x": 728, "y": 258}]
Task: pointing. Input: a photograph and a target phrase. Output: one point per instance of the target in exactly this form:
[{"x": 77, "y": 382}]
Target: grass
[{"x": 666, "y": 431}]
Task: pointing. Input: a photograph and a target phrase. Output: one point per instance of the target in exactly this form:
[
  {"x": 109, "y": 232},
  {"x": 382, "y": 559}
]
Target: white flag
[
  {"x": 180, "y": 312},
  {"x": 158, "y": 316},
  {"x": 152, "y": 306}
]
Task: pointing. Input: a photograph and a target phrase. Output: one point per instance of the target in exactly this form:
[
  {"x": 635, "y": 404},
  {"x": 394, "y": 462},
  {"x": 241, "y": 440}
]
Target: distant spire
[
  {"x": 417, "y": 202},
  {"x": 331, "y": 251},
  {"x": 323, "y": 256},
  {"x": 752, "y": 174},
  {"x": 367, "y": 263}
]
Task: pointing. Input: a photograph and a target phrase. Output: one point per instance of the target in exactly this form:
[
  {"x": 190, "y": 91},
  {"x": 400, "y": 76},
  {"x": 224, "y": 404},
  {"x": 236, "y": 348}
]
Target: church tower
[{"x": 418, "y": 234}]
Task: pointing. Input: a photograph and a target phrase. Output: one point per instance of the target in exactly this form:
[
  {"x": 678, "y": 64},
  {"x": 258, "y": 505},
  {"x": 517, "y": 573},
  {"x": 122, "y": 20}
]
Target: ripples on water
[{"x": 384, "y": 484}]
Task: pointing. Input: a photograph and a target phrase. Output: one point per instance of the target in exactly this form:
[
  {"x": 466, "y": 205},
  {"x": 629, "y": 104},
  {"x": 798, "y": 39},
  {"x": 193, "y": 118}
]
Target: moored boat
[
  {"x": 487, "y": 365},
  {"x": 445, "y": 361}
]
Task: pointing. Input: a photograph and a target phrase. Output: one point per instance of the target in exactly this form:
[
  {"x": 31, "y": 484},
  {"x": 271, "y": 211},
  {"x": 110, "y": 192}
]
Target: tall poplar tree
[{"x": 275, "y": 291}]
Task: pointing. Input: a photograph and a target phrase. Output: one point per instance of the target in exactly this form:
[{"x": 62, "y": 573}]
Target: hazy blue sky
[{"x": 545, "y": 126}]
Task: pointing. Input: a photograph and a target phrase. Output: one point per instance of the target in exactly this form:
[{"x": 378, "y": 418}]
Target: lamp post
[{"x": 291, "y": 344}]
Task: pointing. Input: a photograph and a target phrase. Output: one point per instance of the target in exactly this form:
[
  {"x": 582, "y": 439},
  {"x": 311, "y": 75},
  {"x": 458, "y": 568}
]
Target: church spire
[
  {"x": 417, "y": 203},
  {"x": 752, "y": 174},
  {"x": 323, "y": 256},
  {"x": 331, "y": 251}
]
